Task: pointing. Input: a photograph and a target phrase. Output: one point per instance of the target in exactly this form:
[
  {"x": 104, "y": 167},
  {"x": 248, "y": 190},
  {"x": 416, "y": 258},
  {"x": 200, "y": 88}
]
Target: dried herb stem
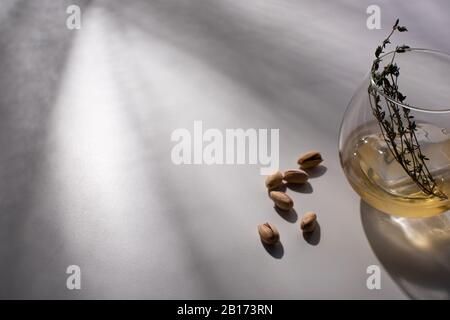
[{"x": 399, "y": 127}]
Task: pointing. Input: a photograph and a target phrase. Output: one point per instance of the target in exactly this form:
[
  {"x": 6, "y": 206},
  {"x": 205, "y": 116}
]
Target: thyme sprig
[{"x": 398, "y": 126}]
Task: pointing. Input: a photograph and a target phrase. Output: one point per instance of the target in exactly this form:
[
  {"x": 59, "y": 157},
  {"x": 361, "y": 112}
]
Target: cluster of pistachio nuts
[{"x": 274, "y": 183}]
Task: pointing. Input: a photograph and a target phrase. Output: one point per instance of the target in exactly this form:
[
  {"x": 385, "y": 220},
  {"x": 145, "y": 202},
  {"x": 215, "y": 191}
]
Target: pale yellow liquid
[{"x": 383, "y": 183}]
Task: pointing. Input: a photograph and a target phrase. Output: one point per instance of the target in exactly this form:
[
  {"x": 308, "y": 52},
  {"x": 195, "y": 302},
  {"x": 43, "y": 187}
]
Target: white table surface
[{"x": 85, "y": 169}]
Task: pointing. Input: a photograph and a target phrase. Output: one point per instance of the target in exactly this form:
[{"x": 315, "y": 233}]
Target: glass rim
[{"x": 401, "y": 104}]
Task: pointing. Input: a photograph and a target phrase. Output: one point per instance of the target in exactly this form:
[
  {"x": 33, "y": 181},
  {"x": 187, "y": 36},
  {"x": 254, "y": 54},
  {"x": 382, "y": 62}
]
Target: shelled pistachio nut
[
  {"x": 274, "y": 180},
  {"x": 308, "y": 222},
  {"x": 310, "y": 159},
  {"x": 281, "y": 200},
  {"x": 268, "y": 233},
  {"x": 296, "y": 176}
]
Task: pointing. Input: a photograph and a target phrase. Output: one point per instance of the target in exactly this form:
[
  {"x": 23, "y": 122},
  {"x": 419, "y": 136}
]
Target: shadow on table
[
  {"x": 290, "y": 215},
  {"x": 313, "y": 238},
  {"x": 414, "y": 251},
  {"x": 276, "y": 250},
  {"x": 317, "y": 172},
  {"x": 300, "y": 188}
]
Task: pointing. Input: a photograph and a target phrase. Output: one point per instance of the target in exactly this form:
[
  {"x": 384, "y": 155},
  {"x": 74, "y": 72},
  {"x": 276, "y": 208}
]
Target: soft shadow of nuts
[
  {"x": 316, "y": 171},
  {"x": 313, "y": 238},
  {"x": 301, "y": 188},
  {"x": 288, "y": 215},
  {"x": 280, "y": 188},
  {"x": 275, "y": 250}
]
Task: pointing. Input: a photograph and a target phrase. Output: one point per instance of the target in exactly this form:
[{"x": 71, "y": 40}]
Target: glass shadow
[{"x": 414, "y": 251}]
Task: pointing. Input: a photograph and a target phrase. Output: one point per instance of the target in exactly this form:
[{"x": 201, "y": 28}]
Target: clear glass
[{"x": 366, "y": 159}]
